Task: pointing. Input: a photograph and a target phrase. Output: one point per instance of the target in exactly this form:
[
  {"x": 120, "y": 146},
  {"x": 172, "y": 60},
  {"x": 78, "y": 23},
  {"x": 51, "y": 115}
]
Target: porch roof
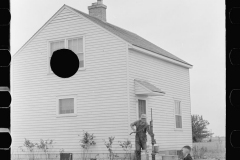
[{"x": 143, "y": 87}]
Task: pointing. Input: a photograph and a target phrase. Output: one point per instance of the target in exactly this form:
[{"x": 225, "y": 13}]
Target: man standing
[{"x": 141, "y": 138}]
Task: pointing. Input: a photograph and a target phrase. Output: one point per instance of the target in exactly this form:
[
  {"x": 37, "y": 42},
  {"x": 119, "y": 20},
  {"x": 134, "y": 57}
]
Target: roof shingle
[{"x": 130, "y": 37}]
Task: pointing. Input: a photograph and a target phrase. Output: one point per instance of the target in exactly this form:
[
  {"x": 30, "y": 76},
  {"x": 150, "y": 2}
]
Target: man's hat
[{"x": 143, "y": 116}]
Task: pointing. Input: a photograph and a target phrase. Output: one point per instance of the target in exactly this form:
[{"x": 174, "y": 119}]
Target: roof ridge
[
  {"x": 102, "y": 21},
  {"x": 131, "y": 37}
]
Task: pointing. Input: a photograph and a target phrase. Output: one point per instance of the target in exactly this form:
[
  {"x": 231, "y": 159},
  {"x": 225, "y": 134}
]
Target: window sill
[
  {"x": 66, "y": 115},
  {"x": 80, "y": 69},
  {"x": 178, "y": 129}
]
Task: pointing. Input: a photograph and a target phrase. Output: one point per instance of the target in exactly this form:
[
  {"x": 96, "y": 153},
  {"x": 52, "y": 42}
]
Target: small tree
[
  {"x": 86, "y": 142},
  {"x": 30, "y": 147},
  {"x": 45, "y": 146},
  {"x": 199, "y": 128},
  {"x": 109, "y": 147},
  {"x": 126, "y": 146}
]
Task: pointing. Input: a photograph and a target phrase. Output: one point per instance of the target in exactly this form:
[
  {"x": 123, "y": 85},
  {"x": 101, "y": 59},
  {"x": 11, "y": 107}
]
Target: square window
[
  {"x": 74, "y": 44},
  {"x": 66, "y": 106}
]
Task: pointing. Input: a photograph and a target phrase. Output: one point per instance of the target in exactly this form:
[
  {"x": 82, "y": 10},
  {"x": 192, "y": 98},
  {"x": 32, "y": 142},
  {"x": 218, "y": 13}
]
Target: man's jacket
[{"x": 188, "y": 157}]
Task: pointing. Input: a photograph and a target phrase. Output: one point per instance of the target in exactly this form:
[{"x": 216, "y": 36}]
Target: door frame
[
  {"x": 137, "y": 110},
  {"x": 148, "y": 118}
]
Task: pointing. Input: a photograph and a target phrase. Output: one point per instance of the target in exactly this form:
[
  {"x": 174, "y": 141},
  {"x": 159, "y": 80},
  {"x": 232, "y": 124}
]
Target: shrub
[
  {"x": 86, "y": 142},
  {"x": 126, "y": 146},
  {"x": 30, "y": 146},
  {"x": 109, "y": 147},
  {"x": 45, "y": 146}
]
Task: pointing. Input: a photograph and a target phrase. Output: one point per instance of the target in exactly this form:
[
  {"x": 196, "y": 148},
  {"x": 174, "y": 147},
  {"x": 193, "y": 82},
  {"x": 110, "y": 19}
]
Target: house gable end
[
  {"x": 95, "y": 88},
  {"x": 115, "y": 31},
  {"x": 44, "y": 26},
  {"x": 55, "y": 16}
]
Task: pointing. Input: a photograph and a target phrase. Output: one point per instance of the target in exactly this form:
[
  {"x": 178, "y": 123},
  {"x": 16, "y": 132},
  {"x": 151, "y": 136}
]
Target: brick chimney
[{"x": 98, "y": 10}]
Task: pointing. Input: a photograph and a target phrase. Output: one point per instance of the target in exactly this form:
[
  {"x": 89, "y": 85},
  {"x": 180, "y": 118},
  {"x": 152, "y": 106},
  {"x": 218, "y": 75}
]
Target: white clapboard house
[{"x": 121, "y": 76}]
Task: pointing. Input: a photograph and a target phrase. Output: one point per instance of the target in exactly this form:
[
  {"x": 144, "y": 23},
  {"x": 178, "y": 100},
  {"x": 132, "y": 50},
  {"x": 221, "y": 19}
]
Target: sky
[{"x": 193, "y": 30}]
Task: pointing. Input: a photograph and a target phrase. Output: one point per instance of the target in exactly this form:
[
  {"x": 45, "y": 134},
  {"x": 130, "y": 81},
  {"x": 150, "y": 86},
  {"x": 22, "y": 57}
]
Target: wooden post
[{"x": 152, "y": 137}]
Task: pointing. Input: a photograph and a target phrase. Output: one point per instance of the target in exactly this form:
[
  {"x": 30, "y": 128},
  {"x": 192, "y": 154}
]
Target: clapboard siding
[
  {"x": 88, "y": 126},
  {"x": 173, "y": 80},
  {"x": 104, "y": 113},
  {"x": 100, "y": 88}
]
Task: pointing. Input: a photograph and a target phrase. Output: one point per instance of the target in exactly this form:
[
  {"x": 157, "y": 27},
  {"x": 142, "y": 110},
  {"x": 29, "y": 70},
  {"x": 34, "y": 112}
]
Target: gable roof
[{"x": 130, "y": 37}]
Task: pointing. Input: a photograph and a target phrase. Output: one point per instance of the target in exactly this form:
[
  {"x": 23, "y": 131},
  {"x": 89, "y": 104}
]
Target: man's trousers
[{"x": 140, "y": 143}]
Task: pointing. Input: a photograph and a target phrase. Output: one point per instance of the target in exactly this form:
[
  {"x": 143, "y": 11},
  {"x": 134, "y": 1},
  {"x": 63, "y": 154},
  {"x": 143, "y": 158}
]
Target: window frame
[
  {"x": 49, "y": 52},
  {"x": 65, "y": 97},
  {"x": 49, "y": 71},
  {"x": 174, "y": 105}
]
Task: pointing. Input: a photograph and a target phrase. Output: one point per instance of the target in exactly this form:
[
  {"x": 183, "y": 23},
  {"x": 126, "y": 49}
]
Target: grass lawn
[{"x": 213, "y": 150}]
